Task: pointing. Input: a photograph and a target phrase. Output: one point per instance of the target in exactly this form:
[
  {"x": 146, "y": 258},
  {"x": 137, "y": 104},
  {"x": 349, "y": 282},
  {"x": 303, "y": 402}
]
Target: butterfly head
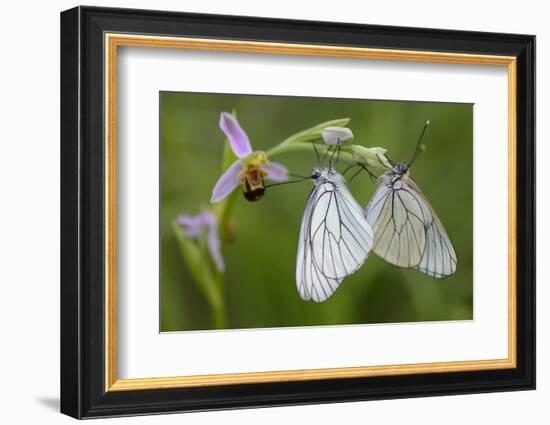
[
  {"x": 323, "y": 175},
  {"x": 400, "y": 169},
  {"x": 316, "y": 173}
]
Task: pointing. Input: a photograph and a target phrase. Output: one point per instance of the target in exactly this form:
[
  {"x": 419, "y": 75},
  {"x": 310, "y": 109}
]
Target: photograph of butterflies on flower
[{"x": 300, "y": 211}]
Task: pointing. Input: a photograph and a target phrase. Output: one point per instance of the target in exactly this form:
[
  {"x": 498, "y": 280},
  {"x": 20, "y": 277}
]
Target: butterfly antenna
[
  {"x": 288, "y": 182},
  {"x": 334, "y": 152},
  {"x": 325, "y": 155},
  {"x": 298, "y": 176},
  {"x": 317, "y": 155},
  {"x": 419, "y": 147}
]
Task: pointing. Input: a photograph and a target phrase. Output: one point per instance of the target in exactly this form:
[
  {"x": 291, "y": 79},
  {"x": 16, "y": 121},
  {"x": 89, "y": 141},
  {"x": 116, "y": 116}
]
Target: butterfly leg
[
  {"x": 327, "y": 152},
  {"x": 372, "y": 176}
]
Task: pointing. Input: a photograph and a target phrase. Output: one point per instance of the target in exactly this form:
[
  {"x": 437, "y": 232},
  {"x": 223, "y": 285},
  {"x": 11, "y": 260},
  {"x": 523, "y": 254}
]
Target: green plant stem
[
  {"x": 222, "y": 210},
  {"x": 309, "y": 135},
  {"x": 200, "y": 266},
  {"x": 218, "y": 311},
  {"x": 291, "y": 147}
]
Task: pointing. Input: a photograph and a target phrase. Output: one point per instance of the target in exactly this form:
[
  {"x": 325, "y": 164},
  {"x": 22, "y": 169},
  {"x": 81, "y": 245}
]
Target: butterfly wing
[
  {"x": 408, "y": 232},
  {"x": 439, "y": 259},
  {"x": 398, "y": 220},
  {"x": 311, "y": 283},
  {"x": 335, "y": 240}
]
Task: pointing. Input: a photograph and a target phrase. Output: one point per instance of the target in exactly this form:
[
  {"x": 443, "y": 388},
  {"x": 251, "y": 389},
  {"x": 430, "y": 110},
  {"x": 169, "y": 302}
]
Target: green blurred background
[{"x": 259, "y": 281}]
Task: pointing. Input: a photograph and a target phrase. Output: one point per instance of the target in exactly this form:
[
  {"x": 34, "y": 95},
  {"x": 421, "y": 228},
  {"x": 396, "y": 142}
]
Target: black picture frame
[{"x": 83, "y": 392}]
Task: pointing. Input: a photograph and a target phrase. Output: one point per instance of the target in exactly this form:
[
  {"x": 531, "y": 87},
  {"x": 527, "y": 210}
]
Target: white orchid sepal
[{"x": 335, "y": 135}]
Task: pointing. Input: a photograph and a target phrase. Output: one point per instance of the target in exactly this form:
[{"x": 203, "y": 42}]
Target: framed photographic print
[{"x": 263, "y": 212}]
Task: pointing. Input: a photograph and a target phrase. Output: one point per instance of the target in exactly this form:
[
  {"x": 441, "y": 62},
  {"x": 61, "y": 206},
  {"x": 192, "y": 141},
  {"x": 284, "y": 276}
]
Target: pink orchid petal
[
  {"x": 187, "y": 220},
  {"x": 236, "y": 135},
  {"x": 275, "y": 171},
  {"x": 227, "y": 182},
  {"x": 193, "y": 224},
  {"x": 214, "y": 247}
]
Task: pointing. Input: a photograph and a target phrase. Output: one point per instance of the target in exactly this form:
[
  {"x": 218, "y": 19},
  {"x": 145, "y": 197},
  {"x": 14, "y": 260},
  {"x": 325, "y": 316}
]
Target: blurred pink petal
[
  {"x": 236, "y": 135},
  {"x": 227, "y": 182},
  {"x": 275, "y": 171},
  {"x": 192, "y": 224},
  {"x": 214, "y": 247},
  {"x": 193, "y": 227}
]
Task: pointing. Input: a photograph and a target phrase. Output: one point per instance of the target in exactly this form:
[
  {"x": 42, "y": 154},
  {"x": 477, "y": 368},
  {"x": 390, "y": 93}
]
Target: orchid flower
[
  {"x": 193, "y": 227},
  {"x": 249, "y": 169}
]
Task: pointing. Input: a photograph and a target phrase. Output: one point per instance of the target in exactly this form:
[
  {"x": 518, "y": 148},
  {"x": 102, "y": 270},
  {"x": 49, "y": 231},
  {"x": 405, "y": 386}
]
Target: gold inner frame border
[{"x": 112, "y": 41}]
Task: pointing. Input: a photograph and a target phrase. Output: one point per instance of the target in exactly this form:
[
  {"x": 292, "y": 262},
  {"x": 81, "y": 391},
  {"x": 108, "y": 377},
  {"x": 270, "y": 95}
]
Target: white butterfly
[
  {"x": 407, "y": 231},
  {"x": 335, "y": 237}
]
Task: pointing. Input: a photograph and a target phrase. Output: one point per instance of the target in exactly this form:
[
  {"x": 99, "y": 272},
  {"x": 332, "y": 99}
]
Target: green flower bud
[{"x": 374, "y": 157}]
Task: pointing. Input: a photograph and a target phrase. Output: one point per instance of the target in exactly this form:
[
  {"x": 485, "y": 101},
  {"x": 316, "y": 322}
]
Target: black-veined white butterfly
[
  {"x": 335, "y": 237},
  {"x": 407, "y": 231}
]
